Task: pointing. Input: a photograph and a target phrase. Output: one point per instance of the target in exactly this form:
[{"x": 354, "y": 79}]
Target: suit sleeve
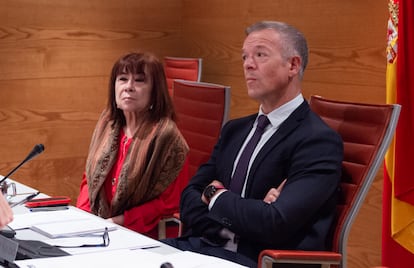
[
  {"x": 309, "y": 156},
  {"x": 313, "y": 173}
]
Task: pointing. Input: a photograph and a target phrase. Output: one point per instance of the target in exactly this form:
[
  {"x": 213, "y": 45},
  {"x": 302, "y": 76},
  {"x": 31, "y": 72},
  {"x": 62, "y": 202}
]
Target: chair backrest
[
  {"x": 366, "y": 130},
  {"x": 182, "y": 68},
  {"x": 202, "y": 109}
]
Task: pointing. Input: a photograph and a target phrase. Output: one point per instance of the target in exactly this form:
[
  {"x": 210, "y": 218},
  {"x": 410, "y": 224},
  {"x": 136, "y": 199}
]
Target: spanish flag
[{"x": 398, "y": 195}]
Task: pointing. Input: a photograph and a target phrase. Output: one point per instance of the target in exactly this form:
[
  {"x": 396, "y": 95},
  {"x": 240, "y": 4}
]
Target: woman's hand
[
  {"x": 273, "y": 194},
  {"x": 117, "y": 219}
]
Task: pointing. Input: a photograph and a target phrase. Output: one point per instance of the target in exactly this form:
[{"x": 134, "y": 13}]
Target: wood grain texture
[
  {"x": 54, "y": 69},
  {"x": 55, "y": 59}
]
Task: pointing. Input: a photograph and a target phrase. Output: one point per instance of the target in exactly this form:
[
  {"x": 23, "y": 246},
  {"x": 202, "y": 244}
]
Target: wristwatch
[{"x": 210, "y": 191}]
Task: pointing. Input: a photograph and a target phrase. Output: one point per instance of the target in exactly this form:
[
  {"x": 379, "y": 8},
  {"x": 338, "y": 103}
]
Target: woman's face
[{"x": 132, "y": 92}]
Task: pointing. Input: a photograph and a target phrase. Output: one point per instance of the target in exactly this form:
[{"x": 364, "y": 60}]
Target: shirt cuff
[{"x": 214, "y": 198}]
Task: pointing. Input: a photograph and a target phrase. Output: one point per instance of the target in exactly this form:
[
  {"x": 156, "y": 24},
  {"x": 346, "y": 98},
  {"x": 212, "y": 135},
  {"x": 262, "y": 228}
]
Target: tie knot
[{"x": 262, "y": 122}]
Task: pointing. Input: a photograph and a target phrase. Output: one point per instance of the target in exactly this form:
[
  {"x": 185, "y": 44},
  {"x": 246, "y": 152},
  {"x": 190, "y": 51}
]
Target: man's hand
[{"x": 274, "y": 193}]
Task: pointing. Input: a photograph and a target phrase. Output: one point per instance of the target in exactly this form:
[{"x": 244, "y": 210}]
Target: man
[{"x": 289, "y": 194}]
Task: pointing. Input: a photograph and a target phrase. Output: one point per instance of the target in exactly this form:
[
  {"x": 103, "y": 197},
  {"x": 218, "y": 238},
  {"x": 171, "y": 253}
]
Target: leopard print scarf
[{"x": 154, "y": 159}]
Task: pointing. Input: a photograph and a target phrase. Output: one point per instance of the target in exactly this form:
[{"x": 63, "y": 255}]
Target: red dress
[{"x": 143, "y": 218}]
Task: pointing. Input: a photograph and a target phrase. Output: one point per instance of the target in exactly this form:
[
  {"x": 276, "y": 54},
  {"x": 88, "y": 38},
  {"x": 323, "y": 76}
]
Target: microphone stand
[{"x": 35, "y": 151}]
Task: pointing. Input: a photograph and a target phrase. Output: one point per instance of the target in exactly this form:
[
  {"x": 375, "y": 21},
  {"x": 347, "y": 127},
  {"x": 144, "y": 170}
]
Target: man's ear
[{"x": 295, "y": 64}]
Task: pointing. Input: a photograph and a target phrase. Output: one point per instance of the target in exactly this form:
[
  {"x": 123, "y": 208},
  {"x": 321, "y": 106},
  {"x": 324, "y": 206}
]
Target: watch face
[{"x": 209, "y": 191}]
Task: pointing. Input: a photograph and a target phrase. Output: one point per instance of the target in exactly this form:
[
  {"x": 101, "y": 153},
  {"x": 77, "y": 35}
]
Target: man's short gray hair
[{"x": 293, "y": 42}]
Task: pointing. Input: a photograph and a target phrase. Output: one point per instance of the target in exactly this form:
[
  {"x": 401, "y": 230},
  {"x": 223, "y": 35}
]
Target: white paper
[
  {"x": 29, "y": 219},
  {"x": 108, "y": 259},
  {"x": 187, "y": 259},
  {"x": 119, "y": 239},
  {"x": 74, "y": 228},
  {"x": 129, "y": 258}
]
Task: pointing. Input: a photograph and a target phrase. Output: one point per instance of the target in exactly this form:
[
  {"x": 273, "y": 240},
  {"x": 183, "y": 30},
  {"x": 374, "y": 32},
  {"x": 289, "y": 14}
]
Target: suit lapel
[
  {"x": 289, "y": 125},
  {"x": 242, "y": 128}
]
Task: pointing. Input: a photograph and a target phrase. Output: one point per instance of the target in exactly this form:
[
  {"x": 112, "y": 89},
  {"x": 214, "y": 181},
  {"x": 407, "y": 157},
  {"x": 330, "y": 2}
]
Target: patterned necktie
[{"x": 237, "y": 182}]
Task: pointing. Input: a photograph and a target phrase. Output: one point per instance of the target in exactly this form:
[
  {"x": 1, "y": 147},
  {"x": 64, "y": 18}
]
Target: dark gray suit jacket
[{"x": 306, "y": 152}]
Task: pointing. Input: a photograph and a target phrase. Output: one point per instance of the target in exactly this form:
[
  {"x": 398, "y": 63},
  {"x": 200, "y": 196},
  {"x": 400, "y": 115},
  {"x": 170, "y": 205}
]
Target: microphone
[{"x": 35, "y": 151}]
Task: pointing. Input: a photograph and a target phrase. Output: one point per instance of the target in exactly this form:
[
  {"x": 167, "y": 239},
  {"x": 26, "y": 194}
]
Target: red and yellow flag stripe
[{"x": 398, "y": 202}]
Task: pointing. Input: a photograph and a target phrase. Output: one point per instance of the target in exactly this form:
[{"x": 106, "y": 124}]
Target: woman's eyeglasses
[{"x": 105, "y": 242}]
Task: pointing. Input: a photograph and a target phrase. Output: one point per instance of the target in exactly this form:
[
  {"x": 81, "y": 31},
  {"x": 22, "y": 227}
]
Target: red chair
[
  {"x": 366, "y": 130},
  {"x": 182, "y": 68},
  {"x": 202, "y": 109}
]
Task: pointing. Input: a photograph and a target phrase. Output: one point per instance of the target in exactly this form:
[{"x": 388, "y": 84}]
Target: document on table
[
  {"x": 73, "y": 227},
  {"x": 76, "y": 227},
  {"x": 120, "y": 238},
  {"x": 27, "y": 220},
  {"x": 187, "y": 259},
  {"x": 130, "y": 258},
  {"x": 117, "y": 258},
  {"x": 62, "y": 223}
]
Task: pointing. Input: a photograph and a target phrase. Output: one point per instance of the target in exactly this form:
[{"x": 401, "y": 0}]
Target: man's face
[{"x": 265, "y": 69}]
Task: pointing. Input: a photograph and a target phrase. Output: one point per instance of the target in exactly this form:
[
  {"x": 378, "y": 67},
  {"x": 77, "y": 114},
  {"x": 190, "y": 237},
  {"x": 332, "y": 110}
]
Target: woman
[{"x": 136, "y": 151}]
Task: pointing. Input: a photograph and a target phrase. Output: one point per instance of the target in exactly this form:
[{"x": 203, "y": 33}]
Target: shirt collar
[{"x": 280, "y": 114}]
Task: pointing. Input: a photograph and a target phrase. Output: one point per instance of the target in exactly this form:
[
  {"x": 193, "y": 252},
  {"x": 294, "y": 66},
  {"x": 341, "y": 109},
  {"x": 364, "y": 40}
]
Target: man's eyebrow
[
  {"x": 261, "y": 46},
  {"x": 257, "y": 47}
]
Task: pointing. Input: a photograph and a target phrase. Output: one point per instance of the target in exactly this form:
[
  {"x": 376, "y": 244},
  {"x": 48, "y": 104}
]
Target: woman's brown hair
[{"x": 160, "y": 105}]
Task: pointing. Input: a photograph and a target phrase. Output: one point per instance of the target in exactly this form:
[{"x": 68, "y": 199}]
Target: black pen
[
  {"x": 150, "y": 247},
  {"x": 27, "y": 198}
]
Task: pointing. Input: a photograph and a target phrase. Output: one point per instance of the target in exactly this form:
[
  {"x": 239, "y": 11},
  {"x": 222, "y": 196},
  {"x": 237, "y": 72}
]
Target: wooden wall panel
[
  {"x": 55, "y": 58},
  {"x": 346, "y": 41}
]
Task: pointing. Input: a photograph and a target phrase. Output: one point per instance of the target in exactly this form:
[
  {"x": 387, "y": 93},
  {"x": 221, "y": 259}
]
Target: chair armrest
[
  {"x": 325, "y": 258},
  {"x": 162, "y": 224}
]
